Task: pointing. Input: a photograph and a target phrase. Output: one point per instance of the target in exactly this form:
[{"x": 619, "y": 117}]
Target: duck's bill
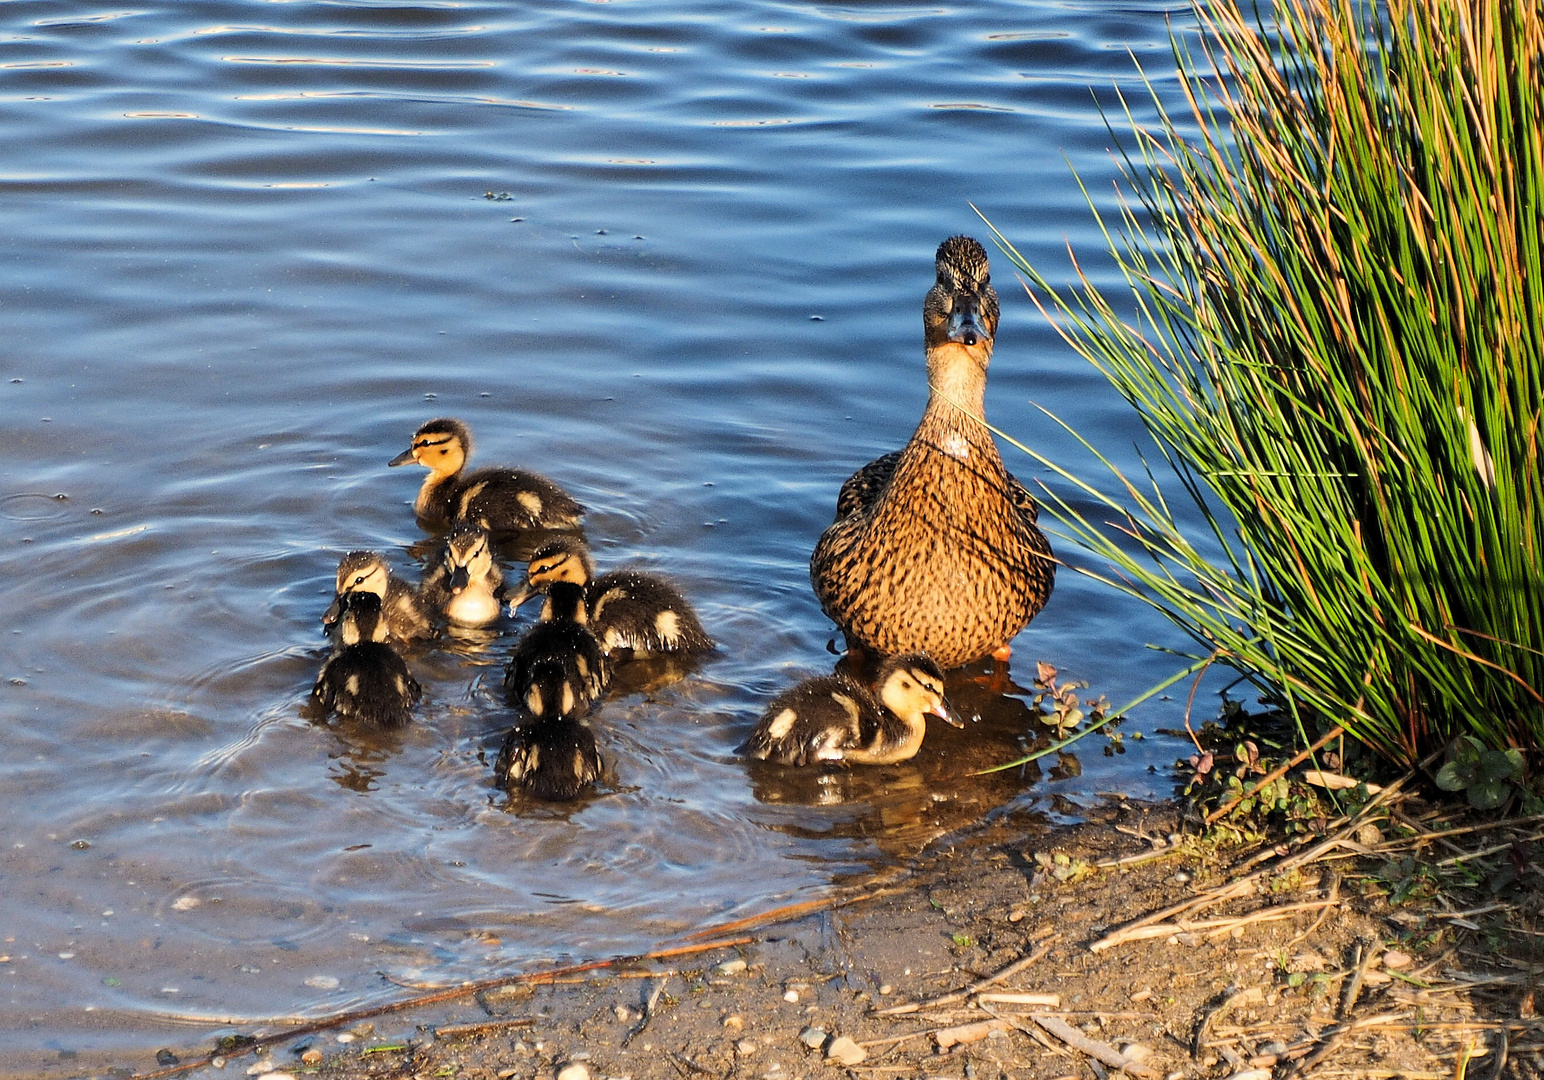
[
  {"x": 947, "y": 714},
  {"x": 459, "y": 579},
  {"x": 404, "y": 458},
  {"x": 520, "y": 595},
  {"x": 966, "y": 327},
  {"x": 334, "y": 610}
]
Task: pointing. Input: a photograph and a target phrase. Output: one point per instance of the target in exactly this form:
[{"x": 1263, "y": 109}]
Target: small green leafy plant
[{"x": 1485, "y": 776}]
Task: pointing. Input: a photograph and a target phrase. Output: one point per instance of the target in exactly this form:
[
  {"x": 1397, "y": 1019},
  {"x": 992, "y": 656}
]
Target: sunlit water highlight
[{"x": 672, "y": 255}]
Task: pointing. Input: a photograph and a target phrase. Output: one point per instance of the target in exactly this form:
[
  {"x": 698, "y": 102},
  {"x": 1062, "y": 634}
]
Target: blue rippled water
[{"x": 673, "y": 255}]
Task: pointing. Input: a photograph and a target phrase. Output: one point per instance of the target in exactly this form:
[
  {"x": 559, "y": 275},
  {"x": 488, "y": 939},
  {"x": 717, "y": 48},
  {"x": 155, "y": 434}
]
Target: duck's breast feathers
[
  {"x": 509, "y": 500},
  {"x": 946, "y": 560}
]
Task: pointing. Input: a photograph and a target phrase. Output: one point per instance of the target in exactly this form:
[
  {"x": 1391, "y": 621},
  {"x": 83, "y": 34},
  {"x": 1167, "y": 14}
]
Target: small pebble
[
  {"x": 844, "y": 1051},
  {"x": 734, "y": 1022},
  {"x": 312, "y": 1056},
  {"x": 1180, "y": 878},
  {"x": 277, "y": 1076},
  {"x": 185, "y": 903},
  {"x": 345, "y": 1038},
  {"x": 730, "y": 967},
  {"x": 322, "y": 982},
  {"x": 1396, "y": 959},
  {"x": 622, "y": 1013},
  {"x": 1135, "y": 1051},
  {"x": 574, "y": 1070},
  {"x": 813, "y": 1037},
  {"x": 164, "y": 1058},
  {"x": 788, "y": 995},
  {"x": 746, "y": 1047},
  {"x": 1369, "y": 835},
  {"x": 885, "y": 990},
  {"x": 1142, "y": 995}
]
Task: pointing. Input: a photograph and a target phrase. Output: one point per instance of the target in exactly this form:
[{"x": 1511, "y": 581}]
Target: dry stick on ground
[
  {"x": 960, "y": 995},
  {"x": 1244, "y": 885},
  {"x": 457, "y": 1031},
  {"x": 1280, "y": 770},
  {"x": 451, "y": 994},
  {"x": 790, "y": 911},
  {"x": 1099, "y": 1051}
]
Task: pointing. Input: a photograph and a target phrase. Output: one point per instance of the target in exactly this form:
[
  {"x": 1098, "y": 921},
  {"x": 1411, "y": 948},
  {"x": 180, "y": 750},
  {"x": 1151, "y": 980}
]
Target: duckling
[
  {"x": 365, "y": 680},
  {"x": 835, "y": 718},
  {"x": 366, "y": 572},
  {"x": 628, "y": 609},
  {"x": 465, "y": 584},
  {"x": 558, "y": 669},
  {"x": 553, "y": 759},
  {"x": 498, "y": 499},
  {"x": 935, "y": 547}
]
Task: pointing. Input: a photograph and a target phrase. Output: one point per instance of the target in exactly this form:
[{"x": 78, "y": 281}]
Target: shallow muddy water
[{"x": 671, "y": 254}]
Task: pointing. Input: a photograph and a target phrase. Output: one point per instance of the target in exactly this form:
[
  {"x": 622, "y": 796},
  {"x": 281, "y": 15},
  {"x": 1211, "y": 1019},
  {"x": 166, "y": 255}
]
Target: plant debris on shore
[{"x": 1404, "y": 939}]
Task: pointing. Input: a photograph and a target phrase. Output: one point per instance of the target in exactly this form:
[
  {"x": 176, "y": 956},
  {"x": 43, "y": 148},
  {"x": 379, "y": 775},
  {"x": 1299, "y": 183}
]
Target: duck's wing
[
  {"x": 864, "y": 486},
  {"x": 1023, "y": 501}
]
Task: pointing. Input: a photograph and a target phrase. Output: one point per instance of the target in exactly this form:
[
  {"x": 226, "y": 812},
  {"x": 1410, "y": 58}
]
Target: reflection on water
[{"x": 244, "y": 253}]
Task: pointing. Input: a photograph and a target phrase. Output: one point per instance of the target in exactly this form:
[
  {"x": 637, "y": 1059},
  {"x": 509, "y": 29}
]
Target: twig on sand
[
  {"x": 466, "y": 989},
  {"x": 1101, "y": 1052},
  {"x": 460, "y": 1031},
  {"x": 960, "y": 995}
]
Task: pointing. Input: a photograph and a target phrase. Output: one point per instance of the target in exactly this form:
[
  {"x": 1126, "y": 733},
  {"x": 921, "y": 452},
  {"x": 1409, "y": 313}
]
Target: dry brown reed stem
[
  {"x": 451, "y": 994},
  {"x": 789, "y": 911}
]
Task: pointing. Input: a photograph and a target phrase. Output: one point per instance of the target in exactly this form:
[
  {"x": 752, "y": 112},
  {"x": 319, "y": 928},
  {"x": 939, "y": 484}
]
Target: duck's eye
[{"x": 360, "y": 580}]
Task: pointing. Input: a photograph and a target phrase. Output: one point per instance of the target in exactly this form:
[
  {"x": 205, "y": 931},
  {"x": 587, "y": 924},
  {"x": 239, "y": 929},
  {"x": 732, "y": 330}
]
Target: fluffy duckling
[
  {"x": 627, "y": 609},
  {"x": 498, "y": 499},
  {"x": 552, "y": 759},
  {"x": 836, "y": 719},
  {"x": 365, "y": 680},
  {"x": 558, "y": 669},
  {"x": 935, "y": 548},
  {"x": 366, "y": 572},
  {"x": 466, "y": 585}
]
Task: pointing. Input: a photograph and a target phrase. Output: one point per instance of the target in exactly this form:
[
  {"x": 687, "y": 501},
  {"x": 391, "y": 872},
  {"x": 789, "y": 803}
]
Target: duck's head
[
  {"x": 959, "y": 316},
  {"x": 565, "y": 603},
  {"x": 361, "y": 618},
  {"x": 358, "y": 572},
  {"x": 468, "y": 554},
  {"x": 912, "y": 687},
  {"x": 441, "y": 446},
  {"x": 563, "y": 558}
]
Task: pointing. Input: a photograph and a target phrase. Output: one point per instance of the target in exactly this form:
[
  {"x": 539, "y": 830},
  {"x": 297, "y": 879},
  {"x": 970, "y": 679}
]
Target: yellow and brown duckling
[
  {"x": 465, "y": 584},
  {"x": 558, "y": 669},
  {"x": 935, "y": 548},
  {"x": 835, "y": 718},
  {"x": 365, "y": 680},
  {"x": 627, "y": 609},
  {"x": 552, "y": 759},
  {"x": 499, "y": 499},
  {"x": 366, "y": 572}
]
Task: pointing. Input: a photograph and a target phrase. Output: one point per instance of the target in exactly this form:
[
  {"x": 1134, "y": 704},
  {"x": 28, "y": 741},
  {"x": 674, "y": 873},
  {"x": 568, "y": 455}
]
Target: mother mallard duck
[{"x": 935, "y": 548}]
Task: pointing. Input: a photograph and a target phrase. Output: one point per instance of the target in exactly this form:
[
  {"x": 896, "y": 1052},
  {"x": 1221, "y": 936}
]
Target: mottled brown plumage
[{"x": 935, "y": 548}]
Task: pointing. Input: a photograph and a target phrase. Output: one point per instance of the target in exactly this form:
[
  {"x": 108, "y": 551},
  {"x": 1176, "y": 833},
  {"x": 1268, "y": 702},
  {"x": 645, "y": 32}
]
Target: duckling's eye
[{"x": 360, "y": 580}]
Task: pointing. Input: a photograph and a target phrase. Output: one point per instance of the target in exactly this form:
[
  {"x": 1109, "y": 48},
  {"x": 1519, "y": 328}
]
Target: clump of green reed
[{"x": 1336, "y": 341}]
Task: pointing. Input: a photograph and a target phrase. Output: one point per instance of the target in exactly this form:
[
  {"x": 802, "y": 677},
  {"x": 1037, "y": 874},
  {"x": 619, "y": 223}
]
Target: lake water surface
[{"x": 671, "y": 254}]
